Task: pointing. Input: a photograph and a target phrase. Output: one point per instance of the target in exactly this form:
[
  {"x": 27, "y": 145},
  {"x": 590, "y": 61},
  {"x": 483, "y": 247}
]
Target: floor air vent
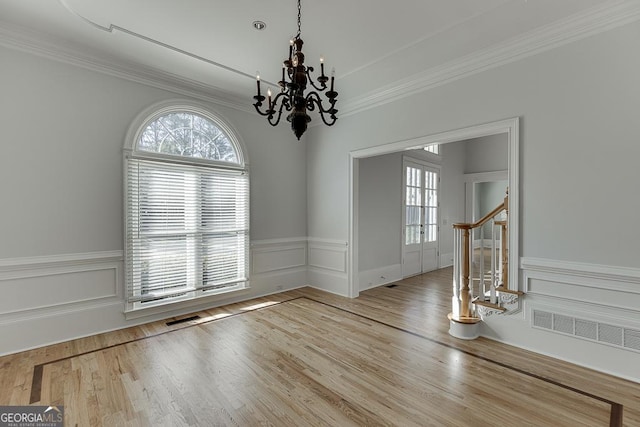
[
  {"x": 391, "y": 286},
  {"x": 604, "y": 333},
  {"x": 186, "y": 319}
]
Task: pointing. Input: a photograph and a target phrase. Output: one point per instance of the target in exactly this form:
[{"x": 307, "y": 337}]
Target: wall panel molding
[
  {"x": 20, "y": 268},
  {"x": 327, "y": 265},
  {"x": 33, "y": 287},
  {"x": 587, "y": 273},
  {"x": 592, "y": 293},
  {"x": 269, "y": 256},
  {"x": 609, "y": 287},
  {"x": 328, "y": 255}
]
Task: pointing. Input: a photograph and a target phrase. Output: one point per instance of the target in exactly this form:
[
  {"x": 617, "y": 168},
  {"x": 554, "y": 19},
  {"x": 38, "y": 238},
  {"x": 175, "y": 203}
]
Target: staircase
[{"x": 481, "y": 272}]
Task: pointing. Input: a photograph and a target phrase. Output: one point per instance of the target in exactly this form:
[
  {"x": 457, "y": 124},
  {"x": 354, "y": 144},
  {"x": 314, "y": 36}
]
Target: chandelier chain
[{"x": 299, "y": 18}]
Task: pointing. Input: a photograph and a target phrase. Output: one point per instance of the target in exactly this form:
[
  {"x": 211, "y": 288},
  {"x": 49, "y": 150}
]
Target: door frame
[
  {"x": 511, "y": 127},
  {"x": 470, "y": 179},
  {"x": 429, "y": 165}
]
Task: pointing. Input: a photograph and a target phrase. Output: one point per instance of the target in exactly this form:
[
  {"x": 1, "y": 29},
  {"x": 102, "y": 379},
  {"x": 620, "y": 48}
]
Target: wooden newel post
[
  {"x": 465, "y": 288},
  {"x": 505, "y": 245}
]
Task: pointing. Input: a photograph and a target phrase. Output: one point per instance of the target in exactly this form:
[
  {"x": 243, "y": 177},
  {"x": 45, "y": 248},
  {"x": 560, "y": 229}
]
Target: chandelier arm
[
  {"x": 313, "y": 100},
  {"x": 257, "y": 105},
  {"x": 323, "y": 85},
  {"x": 284, "y": 104},
  {"x": 314, "y": 97}
]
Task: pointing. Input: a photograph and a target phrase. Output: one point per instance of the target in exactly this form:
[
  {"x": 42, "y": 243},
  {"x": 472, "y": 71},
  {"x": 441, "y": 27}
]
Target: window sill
[{"x": 183, "y": 306}]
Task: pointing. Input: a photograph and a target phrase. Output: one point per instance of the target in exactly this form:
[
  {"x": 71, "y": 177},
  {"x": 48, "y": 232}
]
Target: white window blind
[{"x": 187, "y": 230}]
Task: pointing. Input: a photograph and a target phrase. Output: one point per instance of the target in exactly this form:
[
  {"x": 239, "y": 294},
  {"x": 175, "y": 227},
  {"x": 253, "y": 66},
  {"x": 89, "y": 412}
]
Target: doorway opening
[{"x": 362, "y": 276}]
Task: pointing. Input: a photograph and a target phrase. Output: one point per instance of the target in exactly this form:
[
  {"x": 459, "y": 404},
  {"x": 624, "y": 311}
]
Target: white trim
[
  {"x": 327, "y": 280},
  {"x": 324, "y": 254},
  {"x": 280, "y": 254},
  {"x": 585, "y": 24},
  {"x": 508, "y": 126},
  {"x": 595, "y": 20},
  {"x": 161, "y": 108},
  {"x": 15, "y": 270},
  {"x": 577, "y": 269},
  {"x": 327, "y": 242},
  {"x": 472, "y": 178},
  {"x": 282, "y": 241},
  {"x": 116, "y": 28},
  {"x": 61, "y": 260},
  {"x": 187, "y": 305},
  {"x": 379, "y": 276},
  {"x": 599, "y": 287},
  {"x": 44, "y": 46},
  {"x": 353, "y": 265}
]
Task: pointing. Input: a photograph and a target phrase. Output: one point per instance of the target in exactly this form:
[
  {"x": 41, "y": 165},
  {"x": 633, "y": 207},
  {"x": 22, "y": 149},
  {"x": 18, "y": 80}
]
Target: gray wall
[
  {"x": 578, "y": 107},
  {"x": 63, "y": 134},
  {"x": 380, "y": 197},
  {"x": 380, "y": 201},
  {"x": 61, "y": 225},
  {"x": 486, "y": 154},
  {"x": 61, "y": 169},
  {"x": 578, "y": 104}
]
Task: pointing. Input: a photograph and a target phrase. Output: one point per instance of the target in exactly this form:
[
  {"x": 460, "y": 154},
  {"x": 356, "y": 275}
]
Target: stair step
[
  {"x": 490, "y": 305},
  {"x": 508, "y": 291},
  {"x": 462, "y": 319}
]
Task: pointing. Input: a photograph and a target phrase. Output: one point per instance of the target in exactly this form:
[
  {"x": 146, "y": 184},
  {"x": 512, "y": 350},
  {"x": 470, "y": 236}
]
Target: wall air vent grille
[
  {"x": 603, "y": 333},
  {"x": 542, "y": 319},
  {"x": 587, "y": 329},
  {"x": 632, "y": 339},
  {"x": 563, "y": 324},
  {"x": 610, "y": 334}
]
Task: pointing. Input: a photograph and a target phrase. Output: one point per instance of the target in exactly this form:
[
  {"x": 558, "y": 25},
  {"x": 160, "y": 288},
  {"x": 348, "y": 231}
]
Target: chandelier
[{"x": 292, "y": 97}]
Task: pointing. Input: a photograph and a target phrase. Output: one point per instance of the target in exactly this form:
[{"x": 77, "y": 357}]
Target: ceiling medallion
[{"x": 292, "y": 97}]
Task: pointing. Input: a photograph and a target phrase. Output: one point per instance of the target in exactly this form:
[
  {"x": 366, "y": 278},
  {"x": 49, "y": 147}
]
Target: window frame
[{"x": 131, "y": 153}]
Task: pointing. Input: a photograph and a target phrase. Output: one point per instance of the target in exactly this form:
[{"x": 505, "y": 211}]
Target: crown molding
[
  {"x": 24, "y": 40},
  {"x": 607, "y": 16},
  {"x": 596, "y": 20}
]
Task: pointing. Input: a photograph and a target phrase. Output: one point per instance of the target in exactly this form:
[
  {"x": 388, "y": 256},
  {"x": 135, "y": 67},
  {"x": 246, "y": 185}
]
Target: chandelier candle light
[{"x": 293, "y": 85}]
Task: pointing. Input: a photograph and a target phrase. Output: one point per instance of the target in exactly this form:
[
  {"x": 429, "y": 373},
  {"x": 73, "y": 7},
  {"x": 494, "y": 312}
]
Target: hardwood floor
[{"x": 306, "y": 357}]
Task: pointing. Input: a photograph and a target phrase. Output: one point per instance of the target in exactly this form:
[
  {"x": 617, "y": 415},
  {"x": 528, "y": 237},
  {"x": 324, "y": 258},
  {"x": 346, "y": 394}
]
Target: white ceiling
[{"x": 211, "y": 46}]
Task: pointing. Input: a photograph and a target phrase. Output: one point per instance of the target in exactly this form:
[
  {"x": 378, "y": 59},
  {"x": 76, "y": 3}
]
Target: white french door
[{"x": 421, "y": 182}]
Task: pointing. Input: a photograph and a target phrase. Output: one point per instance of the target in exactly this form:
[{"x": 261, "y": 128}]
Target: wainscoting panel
[
  {"x": 328, "y": 266},
  {"x": 328, "y": 255},
  {"x": 579, "y": 299},
  {"x": 617, "y": 287},
  {"x": 40, "y": 292},
  {"x": 583, "y": 313},
  {"x": 275, "y": 255},
  {"x": 278, "y": 264},
  {"x": 35, "y": 286},
  {"x": 54, "y": 298}
]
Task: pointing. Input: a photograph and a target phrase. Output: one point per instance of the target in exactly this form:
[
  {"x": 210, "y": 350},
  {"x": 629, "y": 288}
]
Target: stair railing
[{"x": 476, "y": 275}]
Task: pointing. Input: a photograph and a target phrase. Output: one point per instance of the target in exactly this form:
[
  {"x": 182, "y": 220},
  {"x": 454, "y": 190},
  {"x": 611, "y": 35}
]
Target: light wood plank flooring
[{"x": 306, "y": 357}]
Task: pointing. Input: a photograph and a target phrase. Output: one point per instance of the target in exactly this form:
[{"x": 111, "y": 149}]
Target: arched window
[{"x": 187, "y": 208}]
